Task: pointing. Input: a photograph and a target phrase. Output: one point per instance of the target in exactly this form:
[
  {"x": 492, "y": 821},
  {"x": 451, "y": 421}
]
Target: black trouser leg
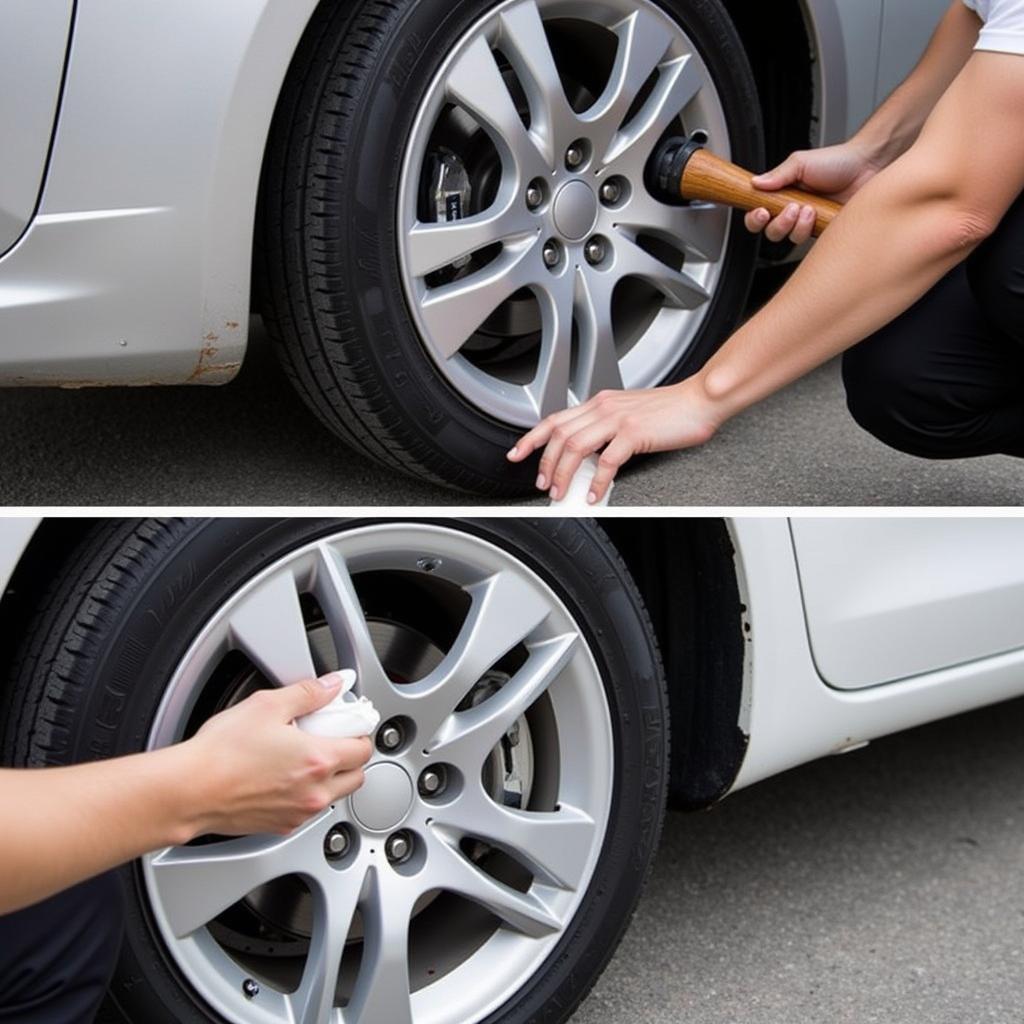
[
  {"x": 946, "y": 379},
  {"x": 57, "y": 958}
]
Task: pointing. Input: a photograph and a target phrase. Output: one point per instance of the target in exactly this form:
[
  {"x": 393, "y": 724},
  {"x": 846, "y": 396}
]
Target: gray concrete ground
[
  {"x": 883, "y": 886},
  {"x": 254, "y": 443}
]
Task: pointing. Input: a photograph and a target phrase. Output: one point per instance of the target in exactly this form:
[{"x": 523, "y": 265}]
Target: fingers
[
  {"x": 542, "y": 433},
  {"x": 757, "y": 220},
  {"x": 306, "y": 697},
  {"x": 804, "y": 225},
  {"x": 787, "y": 173},
  {"x": 558, "y": 445},
  {"x": 796, "y": 223},
  {"x": 614, "y": 457},
  {"x": 348, "y": 754},
  {"x": 587, "y": 439},
  {"x": 346, "y": 783}
]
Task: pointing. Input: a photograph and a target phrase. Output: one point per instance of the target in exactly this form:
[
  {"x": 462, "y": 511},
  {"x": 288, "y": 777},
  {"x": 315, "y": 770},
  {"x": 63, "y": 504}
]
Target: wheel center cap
[
  {"x": 575, "y": 210},
  {"x": 384, "y": 799}
]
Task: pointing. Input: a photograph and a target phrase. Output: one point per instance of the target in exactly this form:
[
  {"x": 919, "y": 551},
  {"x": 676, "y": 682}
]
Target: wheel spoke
[
  {"x": 643, "y": 44},
  {"x": 699, "y": 229},
  {"x": 681, "y": 290},
  {"x": 432, "y": 246},
  {"x": 597, "y": 360},
  {"x": 679, "y": 82},
  {"x": 470, "y": 735},
  {"x": 336, "y": 593},
  {"x": 475, "y": 83},
  {"x": 269, "y": 629},
  {"x": 505, "y": 610},
  {"x": 526, "y": 912},
  {"x": 197, "y": 883},
  {"x": 555, "y": 845},
  {"x": 549, "y": 390},
  {"x": 382, "y": 989},
  {"x": 455, "y": 311},
  {"x": 525, "y": 43},
  {"x": 313, "y": 1001}
]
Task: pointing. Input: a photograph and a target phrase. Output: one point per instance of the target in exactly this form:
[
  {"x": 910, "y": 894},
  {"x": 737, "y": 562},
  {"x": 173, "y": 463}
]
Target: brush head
[{"x": 666, "y": 167}]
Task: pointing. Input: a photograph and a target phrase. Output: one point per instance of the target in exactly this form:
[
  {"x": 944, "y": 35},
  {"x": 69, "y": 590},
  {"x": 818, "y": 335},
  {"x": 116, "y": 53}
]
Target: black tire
[
  {"x": 94, "y": 664},
  {"x": 330, "y": 286}
]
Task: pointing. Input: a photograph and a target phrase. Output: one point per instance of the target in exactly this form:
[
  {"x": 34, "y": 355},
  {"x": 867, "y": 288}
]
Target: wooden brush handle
[{"x": 710, "y": 178}]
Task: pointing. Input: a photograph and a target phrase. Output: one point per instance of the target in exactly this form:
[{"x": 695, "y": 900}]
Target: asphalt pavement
[
  {"x": 253, "y": 443},
  {"x": 883, "y": 886}
]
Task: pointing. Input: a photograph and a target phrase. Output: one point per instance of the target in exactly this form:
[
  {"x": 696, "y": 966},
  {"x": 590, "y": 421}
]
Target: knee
[
  {"x": 996, "y": 277},
  {"x": 882, "y": 401}
]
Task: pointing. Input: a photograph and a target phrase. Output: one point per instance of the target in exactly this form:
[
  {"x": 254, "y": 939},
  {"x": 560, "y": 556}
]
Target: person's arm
[
  {"x": 246, "y": 771},
  {"x": 839, "y": 172},
  {"x": 896, "y": 238}
]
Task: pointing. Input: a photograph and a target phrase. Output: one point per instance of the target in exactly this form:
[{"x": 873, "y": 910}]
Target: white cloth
[{"x": 1003, "y": 30}]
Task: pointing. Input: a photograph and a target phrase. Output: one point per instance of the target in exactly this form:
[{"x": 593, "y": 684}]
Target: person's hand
[
  {"x": 255, "y": 772},
  {"x": 837, "y": 172},
  {"x": 623, "y": 424}
]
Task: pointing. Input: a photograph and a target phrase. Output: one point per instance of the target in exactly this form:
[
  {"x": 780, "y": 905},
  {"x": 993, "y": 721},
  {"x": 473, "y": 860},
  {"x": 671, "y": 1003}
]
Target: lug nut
[
  {"x": 611, "y": 192},
  {"x": 390, "y": 736},
  {"x": 250, "y": 988},
  {"x": 595, "y": 251},
  {"x": 534, "y": 197},
  {"x": 574, "y": 156},
  {"x": 398, "y": 848},
  {"x": 431, "y": 782},
  {"x": 336, "y": 843},
  {"x": 552, "y": 255}
]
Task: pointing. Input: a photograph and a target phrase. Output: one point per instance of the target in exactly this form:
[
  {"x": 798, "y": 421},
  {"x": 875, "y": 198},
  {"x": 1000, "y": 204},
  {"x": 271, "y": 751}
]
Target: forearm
[
  {"x": 64, "y": 825},
  {"x": 896, "y": 238},
  {"x": 896, "y": 125}
]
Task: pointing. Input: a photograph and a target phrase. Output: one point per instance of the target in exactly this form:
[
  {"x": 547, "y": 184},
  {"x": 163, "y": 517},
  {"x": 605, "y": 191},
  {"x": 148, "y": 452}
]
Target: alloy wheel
[
  {"x": 538, "y": 267},
  {"x": 433, "y": 893}
]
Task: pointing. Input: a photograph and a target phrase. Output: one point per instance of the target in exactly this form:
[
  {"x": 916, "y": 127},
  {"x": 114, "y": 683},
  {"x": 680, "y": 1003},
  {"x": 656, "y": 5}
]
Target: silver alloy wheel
[
  {"x": 458, "y": 715},
  {"x": 461, "y": 276}
]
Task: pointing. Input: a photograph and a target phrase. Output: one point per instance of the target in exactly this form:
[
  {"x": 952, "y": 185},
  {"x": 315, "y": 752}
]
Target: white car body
[
  {"x": 128, "y": 194},
  {"x": 855, "y": 628}
]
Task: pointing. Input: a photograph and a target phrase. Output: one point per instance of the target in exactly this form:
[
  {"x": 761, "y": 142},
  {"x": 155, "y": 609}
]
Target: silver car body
[
  {"x": 134, "y": 135},
  {"x": 855, "y": 628}
]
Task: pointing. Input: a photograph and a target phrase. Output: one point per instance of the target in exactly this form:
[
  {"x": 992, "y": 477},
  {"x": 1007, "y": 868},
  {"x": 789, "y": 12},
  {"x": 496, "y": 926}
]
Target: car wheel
[
  {"x": 456, "y": 234},
  {"x": 492, "y": 860}
]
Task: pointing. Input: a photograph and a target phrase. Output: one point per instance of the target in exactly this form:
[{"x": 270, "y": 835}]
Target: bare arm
[
  {"x": 841, "y": 171},
  {"x": 896, "y": 238},
  {"x": 897, "y": 123},
  {"x": 932, "y": 207},
  {"x": 247, "y": 771}
]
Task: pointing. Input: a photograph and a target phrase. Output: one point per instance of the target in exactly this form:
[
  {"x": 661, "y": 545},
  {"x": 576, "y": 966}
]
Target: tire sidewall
[
  {"x": 368, "y": 247},
  {"x": 166, "y": 609}
]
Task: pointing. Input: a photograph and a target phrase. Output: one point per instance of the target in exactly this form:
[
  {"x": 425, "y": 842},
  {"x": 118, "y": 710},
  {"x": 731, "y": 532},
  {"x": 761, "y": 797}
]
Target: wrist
[
  {"x": 711, "y": 393},
  {"x": 186, "y": 791}
]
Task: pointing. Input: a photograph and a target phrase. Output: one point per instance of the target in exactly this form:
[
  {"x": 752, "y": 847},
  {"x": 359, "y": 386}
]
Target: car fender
[{"x": 136, "y": 269}]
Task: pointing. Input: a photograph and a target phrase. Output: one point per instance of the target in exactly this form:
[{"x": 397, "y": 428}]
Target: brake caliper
[{"x": 450, "y": 194}]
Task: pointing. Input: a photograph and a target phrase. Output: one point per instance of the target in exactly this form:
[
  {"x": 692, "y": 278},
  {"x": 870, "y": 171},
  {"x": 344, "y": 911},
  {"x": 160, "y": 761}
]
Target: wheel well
[
  {"x": 686, "y": 572},
  {"x": 778, "y": 42}
]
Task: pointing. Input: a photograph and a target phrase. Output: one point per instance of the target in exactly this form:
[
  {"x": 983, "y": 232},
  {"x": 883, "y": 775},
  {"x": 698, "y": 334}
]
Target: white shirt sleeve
[{"x": 1003, "y": 32}]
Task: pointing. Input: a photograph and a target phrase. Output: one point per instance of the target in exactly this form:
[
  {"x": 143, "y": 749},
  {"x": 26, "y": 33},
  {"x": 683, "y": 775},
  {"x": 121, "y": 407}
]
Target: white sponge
[
  {"x": 575, "y": 498},
  {"x": 346, "y": 717}
]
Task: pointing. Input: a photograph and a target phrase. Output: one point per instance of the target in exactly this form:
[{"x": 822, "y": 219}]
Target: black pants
[
  {"x": 56, "y": 958},
  {"x": 946, "y": 379}
]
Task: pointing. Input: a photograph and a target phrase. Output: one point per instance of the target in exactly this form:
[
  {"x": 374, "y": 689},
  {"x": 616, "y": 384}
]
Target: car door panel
[
  {"x": 888, "y": 599},
  {"x": 33, "y": 49},
  {"x": 907, "y": 26}
]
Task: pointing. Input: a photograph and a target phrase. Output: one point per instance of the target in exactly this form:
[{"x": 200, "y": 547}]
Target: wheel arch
[
  {"x": 784, "y": 58},
  {"x": 686, "y": 570}
]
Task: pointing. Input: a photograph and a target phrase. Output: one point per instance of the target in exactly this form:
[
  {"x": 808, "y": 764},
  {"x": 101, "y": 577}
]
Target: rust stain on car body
[{"x": 208, "y": 370}]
